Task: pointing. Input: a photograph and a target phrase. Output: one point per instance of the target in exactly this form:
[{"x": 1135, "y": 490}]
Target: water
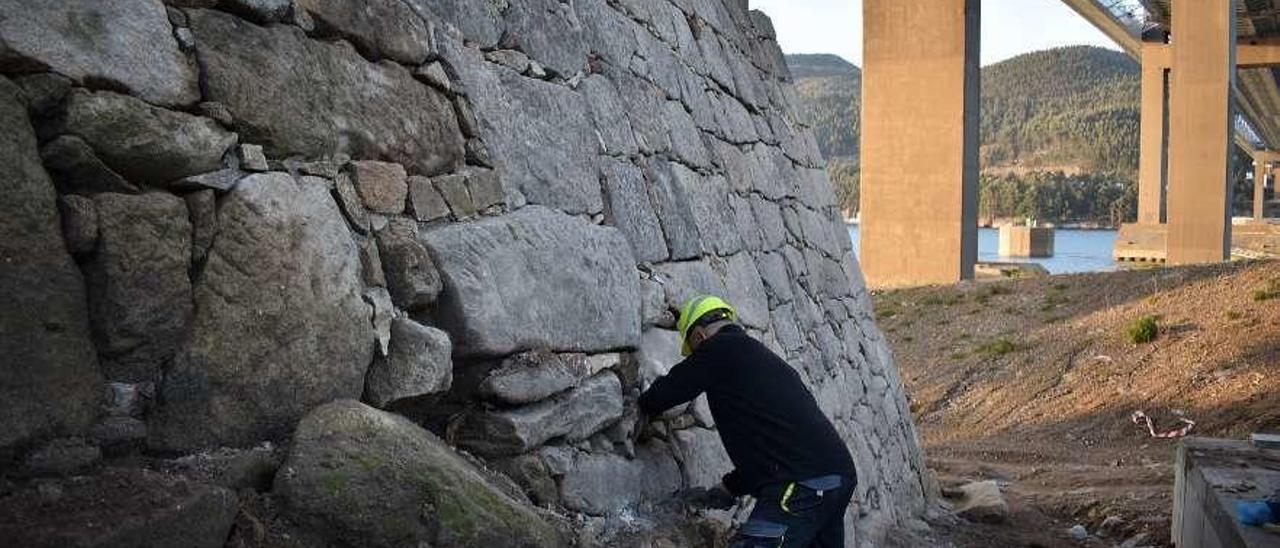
[{"x": 1074, "y": 250}]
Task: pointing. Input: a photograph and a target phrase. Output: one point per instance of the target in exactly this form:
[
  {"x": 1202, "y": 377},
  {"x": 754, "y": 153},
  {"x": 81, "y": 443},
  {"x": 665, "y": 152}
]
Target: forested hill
[
  {"x": 1073, "y": 110},
  {"x": 830, "y": 91}
]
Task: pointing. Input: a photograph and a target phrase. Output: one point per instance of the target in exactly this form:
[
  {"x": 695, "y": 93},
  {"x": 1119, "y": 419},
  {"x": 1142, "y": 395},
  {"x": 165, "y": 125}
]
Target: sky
[{"x": 1009, "y": 27}]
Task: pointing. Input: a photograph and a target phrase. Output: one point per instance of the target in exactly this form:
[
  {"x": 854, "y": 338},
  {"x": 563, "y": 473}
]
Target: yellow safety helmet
[{"x": 693, "y": 310}]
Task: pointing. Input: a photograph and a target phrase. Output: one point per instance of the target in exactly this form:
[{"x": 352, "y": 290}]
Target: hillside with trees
[{"x": 1059, "y": 132}]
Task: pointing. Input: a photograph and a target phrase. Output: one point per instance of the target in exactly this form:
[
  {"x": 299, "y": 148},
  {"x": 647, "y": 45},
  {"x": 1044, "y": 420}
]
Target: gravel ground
[{"x": 1033, "y": 383}]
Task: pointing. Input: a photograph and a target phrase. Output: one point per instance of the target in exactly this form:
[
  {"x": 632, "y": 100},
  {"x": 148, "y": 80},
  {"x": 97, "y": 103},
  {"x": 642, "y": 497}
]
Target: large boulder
[
  {"x": 541, "y": 133},
  {"x": 139, "y": 289},
  {"x": 380, "y": 28},
  {"x": 573, "y": 284},
  {"x": 49, "y": 379},
  {"x": 323, "y": 98},
  {"x": 145, "y": 144},
  {"x": 125, "y": 44},
  {"x": 575, "y": 415},
  {"x": 279, "y": 326},
  {"x": 371, "y": 478},
  {"x": 120, "y": 508}
]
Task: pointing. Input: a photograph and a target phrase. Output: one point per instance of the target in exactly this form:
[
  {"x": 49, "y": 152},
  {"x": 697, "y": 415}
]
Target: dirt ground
[{"x": 1033, "y": 382}]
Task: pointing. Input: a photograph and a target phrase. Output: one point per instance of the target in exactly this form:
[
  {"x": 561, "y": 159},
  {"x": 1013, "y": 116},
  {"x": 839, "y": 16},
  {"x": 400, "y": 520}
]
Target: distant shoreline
[{"x": 1069, "y": 226}]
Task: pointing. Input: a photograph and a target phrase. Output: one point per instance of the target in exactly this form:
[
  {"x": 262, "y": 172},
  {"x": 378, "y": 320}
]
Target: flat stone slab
[
  {"x": 574, "y": 415},
  {"x": 128, "y": 43},
  {"x": 1212, "y": 475},
  {"x": 575, "y": 283}
]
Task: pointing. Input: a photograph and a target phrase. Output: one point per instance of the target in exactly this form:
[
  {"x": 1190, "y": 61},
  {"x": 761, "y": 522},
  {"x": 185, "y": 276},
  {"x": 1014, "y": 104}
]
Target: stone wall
[{"x": 478, "y": 214}]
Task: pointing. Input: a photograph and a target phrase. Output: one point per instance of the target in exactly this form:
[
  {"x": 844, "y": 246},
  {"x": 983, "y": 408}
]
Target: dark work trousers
[{"x": 805, "y": 514}]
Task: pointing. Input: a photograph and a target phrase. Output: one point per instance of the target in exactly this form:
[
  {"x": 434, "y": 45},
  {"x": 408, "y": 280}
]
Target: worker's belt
[{"x": 818, "y": 485}]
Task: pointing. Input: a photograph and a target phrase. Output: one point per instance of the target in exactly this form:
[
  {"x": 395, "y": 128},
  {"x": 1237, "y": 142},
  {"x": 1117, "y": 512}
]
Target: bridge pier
[
  {"x": 1263, "y": 164},
  {"x": 1200, "y": 131},
  {"x": 920, "y": 108},
  {"x": 1153, "y": 140}
]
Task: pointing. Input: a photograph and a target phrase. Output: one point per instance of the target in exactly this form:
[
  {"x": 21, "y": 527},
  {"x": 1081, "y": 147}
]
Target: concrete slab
[{"x": 1212, "y": 474}]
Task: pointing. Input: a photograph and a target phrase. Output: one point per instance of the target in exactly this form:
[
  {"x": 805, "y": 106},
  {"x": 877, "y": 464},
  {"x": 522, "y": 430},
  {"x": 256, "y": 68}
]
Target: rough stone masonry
[{"x": 392, "y": 272}]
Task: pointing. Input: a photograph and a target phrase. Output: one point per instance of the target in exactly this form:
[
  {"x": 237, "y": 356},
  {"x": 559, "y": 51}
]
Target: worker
[{"x": 785, "y": 452}]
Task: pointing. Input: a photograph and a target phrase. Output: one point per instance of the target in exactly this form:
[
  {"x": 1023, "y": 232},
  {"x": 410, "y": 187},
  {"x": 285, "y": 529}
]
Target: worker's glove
[{"x": 715, "y": 497}]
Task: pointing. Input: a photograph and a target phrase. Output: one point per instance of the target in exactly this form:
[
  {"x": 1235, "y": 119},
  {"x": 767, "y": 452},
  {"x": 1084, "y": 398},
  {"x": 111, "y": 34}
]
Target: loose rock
[
  {"x": 418, "y": 363},
  {"x": 425, "y": 202},
  {"x": 252, "y": 158},
  {"x": 381, "y": 185},
  {"x": 410, "y": 271},
  {"x": 221, "y": 180},
  {"x": 532, "y": 376},
  {"x": 574, "y": 415},
  {"x": 982, "y": 501}
]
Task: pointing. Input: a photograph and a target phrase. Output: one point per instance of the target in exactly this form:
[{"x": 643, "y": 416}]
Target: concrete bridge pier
[
  {"x": 1153, "y": 135},
  {"x": 1264, "y": 165},
  {"x": 919, "y": 141},
  {"x": 1200, "y": 130}
]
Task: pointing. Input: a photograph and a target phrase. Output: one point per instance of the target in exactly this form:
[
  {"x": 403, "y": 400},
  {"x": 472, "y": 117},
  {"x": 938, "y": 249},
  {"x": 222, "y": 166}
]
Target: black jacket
[{"x": 769, "y": 423}]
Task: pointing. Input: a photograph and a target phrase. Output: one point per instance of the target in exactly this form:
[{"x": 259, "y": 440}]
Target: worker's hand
[{"x": 714, "y": 497}]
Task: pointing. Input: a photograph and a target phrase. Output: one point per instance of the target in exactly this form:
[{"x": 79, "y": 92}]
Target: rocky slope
[
  {"x": 276, "y": 262},
  {"x": 1034, "y": 383}
]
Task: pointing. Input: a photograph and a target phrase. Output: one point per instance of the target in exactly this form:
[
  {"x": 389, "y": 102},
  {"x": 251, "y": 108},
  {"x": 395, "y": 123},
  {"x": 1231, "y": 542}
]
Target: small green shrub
[
  {"x": 1233, "y": 315},
  {"x": 1059, "y": 287},
  {"x": 998, "y": 347},
  {"x": 958, "y": 355},
  {"x": 1272, "y": 291},
  {"x": 886, "y": 312},
  {"x": 998, "y": 289},
  {"x": 1144, "y": 330}
]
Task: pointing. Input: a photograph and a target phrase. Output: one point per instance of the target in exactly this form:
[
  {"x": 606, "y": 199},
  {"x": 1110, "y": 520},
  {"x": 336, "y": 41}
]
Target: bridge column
[
  {"x": 1200, "y": 130},
  {"x": 919, "y": 141},
  {"x": 1259, "y": 186},
  {"x": 1153, "y": 154}
]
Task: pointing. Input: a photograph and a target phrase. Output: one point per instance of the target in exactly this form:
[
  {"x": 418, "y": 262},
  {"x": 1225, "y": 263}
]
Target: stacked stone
[{"x": 477, "y": 218}]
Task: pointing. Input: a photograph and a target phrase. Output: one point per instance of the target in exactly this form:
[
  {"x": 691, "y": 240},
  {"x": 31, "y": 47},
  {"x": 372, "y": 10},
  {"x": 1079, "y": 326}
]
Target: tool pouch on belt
[{"x": 799, "y": 497}]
